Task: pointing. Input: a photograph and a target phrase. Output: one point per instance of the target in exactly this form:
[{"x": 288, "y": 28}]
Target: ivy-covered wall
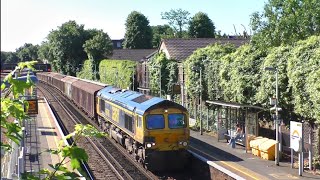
[
  {"x": 113, "y": 72},
  {"x": 238, "y": 75}
]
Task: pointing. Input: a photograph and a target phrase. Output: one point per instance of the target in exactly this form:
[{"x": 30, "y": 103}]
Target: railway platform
[
  {"x": 42, "y": 132},
  {"x": 239, "y": 163}
]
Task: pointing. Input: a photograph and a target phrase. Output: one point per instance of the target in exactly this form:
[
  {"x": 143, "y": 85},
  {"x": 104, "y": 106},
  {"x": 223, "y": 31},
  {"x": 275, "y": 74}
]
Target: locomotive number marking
[{"x": 115, "y": 114}]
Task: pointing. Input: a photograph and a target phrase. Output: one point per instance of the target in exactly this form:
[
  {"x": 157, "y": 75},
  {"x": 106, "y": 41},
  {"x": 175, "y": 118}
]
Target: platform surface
[{"x": 240, "y": 162}]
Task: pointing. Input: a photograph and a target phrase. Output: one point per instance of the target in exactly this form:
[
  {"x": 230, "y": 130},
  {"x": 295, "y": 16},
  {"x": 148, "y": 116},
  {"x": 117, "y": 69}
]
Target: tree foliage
[
  {"x": 177, "y": 19},
  {"x": 69, "y": 45},
  {"x": 45, "y": 52},
  {"x": 14, "y": 107},
  {"x": 114, "y": 72},
  {"x": 201, "y": 26},
  {"x": 98, "y": 47},
  {"x": 161, "y": 32},
  {"x": 66, "y": 45},
  {"x": 138, "y": 32},
  {"x": 27, "y": 52},
  {"x": 9, "y": 57},
  {"x": 285, "y": 22}
]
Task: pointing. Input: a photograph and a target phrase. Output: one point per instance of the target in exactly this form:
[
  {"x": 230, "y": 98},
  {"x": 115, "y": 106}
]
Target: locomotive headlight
[
  {"x": 149, "y": 145},
  {"x": 183, "y": 143}
]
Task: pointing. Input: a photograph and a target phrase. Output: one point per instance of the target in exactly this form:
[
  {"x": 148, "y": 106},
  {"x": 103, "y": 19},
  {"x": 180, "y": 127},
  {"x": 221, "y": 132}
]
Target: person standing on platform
[{"x": 236, "y": 137}]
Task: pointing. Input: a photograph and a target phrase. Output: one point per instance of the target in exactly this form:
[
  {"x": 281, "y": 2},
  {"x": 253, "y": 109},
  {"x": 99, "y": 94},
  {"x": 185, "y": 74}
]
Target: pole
[
  {"x": 310, "y": 151},
  {"x": 208, "y": 118},
  {"x": 301, "y": 156},
  {"x": 200, "y": 101},
  {"x": 277, "y": 124},
  {"x": 291, "y": 157},
  {"x": 133, "y": 80},
  {"x": 160, "y": 79},
  {"x": 181, "y": 77}
]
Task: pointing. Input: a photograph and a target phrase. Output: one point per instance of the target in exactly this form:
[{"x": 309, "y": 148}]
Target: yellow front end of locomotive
[{"x": 166, "y": 130}]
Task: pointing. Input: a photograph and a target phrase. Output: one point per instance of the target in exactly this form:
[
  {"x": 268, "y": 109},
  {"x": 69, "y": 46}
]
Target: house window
[{"x": 118, "y": 44}]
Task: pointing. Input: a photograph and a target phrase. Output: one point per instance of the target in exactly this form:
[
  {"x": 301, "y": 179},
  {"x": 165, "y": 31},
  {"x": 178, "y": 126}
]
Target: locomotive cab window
[
  {"x": 176, "y": 121},
  {"x": 155, "y": 121}
]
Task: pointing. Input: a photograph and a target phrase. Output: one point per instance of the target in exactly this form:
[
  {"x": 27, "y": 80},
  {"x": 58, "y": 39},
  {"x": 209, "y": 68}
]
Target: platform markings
[
  {"x": 54, "y": 137},
  {"x": 283, "y": 176},
  {"x": 234, "y": 166}
]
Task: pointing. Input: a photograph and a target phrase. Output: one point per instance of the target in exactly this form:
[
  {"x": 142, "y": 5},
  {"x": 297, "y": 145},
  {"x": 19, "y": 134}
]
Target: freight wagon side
[
  {"x": 56, "y": 81},
  {"x": 83, "y": 94}
]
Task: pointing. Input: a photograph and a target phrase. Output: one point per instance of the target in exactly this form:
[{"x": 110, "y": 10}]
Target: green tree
[
  {"x": 98, "y": 47},
  {"x": 285, "y": 22},
  {"x": 66, "y": 44},
  {"x": 160, "y": 32},
  {"x": 177, "y": 19},
  {"x": 138, "y": 32},
  {"x": 45, "y": 52},
  {"x": 12, "y": 57},
  {"x": 27, "y": 52},
  {"x": 201, "y": 26}
]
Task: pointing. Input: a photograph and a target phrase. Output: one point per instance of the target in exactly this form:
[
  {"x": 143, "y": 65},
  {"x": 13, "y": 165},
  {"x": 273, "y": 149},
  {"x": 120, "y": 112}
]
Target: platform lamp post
[
  {"x": 277, "y": 115},
  {"x": 196, "y": 68},
  {"x": 159, "y": 67}
]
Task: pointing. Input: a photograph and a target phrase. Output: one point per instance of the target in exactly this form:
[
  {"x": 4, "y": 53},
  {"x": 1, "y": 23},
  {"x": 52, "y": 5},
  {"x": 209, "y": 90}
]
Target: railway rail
[{"x": 106, "y": 158}]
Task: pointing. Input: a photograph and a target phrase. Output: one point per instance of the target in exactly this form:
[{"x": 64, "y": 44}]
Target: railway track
[{"x": 107, "y": 160}]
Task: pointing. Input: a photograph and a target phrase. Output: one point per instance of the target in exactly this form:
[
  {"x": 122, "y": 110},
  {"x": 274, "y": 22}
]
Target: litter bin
[
  {"x": 267, "y": 149},
  {"x": 254, "y": 144}
]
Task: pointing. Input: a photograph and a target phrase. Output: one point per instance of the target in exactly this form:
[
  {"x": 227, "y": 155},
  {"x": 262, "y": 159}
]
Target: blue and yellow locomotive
[{"x": 155, "y": 130}]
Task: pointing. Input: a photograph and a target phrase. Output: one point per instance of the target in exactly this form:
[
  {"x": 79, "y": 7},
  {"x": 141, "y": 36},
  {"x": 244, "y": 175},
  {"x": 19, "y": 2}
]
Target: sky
[{"x": 30, "y": 21}]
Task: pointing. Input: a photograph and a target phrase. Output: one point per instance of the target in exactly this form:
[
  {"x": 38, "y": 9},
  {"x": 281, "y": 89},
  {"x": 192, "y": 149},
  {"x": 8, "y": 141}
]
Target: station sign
[
  {"x": 33, "y": 107},
  {"x": 295, "y": 135}
]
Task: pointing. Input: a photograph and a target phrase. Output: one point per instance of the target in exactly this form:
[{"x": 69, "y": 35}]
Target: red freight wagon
[{"x": 83, "y": 94}]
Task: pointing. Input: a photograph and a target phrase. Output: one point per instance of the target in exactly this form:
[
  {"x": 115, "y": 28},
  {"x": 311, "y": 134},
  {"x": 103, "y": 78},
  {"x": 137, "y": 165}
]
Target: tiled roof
[
  {"x": 180, "y": 49},
  {"x": 131, "y": 54}
]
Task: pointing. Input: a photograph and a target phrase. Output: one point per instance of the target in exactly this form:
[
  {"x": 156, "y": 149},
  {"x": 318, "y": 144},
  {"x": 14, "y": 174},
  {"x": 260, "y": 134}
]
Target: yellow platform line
[
  {"x": 235, "y": 166},
  {"x": 44, "y": 114}
]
